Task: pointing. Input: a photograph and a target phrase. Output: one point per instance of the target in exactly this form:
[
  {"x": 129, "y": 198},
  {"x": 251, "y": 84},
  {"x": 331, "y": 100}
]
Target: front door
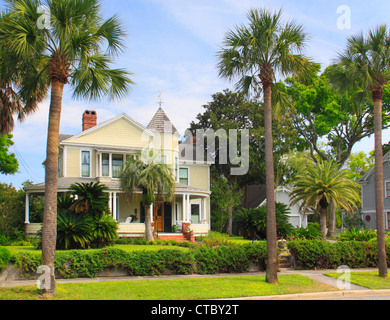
[{"x": 158, "y": 216}]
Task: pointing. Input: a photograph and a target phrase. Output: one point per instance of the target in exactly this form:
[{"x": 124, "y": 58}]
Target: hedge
[
  {"x": 5, "y": 257},
  {"x": 316, "y": 254},
  {"x": 202, "y": 260}
]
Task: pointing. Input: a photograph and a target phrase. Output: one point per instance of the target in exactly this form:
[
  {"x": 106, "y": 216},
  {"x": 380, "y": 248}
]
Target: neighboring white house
[{"x": 297, "y": 218}]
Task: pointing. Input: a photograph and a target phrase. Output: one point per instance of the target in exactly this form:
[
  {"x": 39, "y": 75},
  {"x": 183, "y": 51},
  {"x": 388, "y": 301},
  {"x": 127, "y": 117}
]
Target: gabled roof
[
  {"x": 365, "y": 177},
  {"x": 107, "y": 122},
  {"x": 161, "y": 123}
]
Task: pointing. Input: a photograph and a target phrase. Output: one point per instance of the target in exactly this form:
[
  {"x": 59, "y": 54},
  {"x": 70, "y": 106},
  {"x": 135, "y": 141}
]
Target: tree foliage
[{"x": 8, "y": 162}]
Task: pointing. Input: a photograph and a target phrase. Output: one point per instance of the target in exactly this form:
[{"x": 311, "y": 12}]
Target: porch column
[
  {"x": 188, "y": 219},
  {"x": 114, "y": 210},
  {"x": 27, "y": 209},
  {"x": 203, "y": 211},
  {"x": 110, "y": 202}
]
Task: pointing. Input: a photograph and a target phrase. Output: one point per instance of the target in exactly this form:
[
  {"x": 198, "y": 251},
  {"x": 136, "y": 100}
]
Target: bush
[
  {"x": 311, "y": 232},
  {"x": 230, "y": 258},
  {"x": 355, "y": 234},
  {"x": 5, "y": 257},
  {"x": 202, "y": 259},
  {"x": 252, "y": 222},
  {"x": 315, "y": 254}
]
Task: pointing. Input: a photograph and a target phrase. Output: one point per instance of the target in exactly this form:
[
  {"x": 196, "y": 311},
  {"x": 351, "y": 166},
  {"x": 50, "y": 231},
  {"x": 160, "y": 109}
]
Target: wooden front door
[{"x": 158, "y": 217}]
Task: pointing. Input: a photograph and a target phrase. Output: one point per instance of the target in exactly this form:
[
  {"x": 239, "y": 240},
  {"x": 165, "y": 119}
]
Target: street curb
[{"x": 318, "y": 295}]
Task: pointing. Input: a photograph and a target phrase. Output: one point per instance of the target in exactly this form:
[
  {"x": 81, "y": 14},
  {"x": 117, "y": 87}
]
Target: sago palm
[
  {"x": 74, "y": 46},
  {"x": 320, "y": 184},
  {"x": 255, "y": 54},
  {"x": 91, "y": 198},
  {"x": 152, "y": 182},
  {"x": 366, "y": 61}
]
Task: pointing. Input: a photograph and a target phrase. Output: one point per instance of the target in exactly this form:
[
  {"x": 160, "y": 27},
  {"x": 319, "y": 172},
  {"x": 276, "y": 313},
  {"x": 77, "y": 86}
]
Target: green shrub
[
  {"x": 311, "y": 232},
  {"x": 252, "y": 222},
  {"x": 5, "y": 257},
  {"x": 230, "y": 258},
  {"x": 355, "y": 234},
  {"x": 315, "y": 254},
  {"x": 202, "y": 259}
]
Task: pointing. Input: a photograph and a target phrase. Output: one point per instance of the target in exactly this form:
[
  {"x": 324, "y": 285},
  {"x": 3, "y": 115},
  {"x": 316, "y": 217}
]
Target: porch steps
[
  {"x": 285, "y": 260},
  {"x": 176, "y": 237}
]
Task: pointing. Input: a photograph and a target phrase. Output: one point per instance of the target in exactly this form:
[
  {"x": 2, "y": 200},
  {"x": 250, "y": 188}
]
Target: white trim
[
  {"x": 65, "y": 161},
  {"x": 385, "y": 189},
  {"x": 387, "y": 219},
  {"x": 27, "y": 209}
]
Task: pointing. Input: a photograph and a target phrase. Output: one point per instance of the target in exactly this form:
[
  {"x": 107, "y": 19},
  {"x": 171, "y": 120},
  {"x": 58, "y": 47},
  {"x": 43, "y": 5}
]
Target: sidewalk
[{"x": 316, "y": 275}]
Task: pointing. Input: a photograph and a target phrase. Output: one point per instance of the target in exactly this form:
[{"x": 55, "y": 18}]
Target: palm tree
[
  {"x": 153, "y": 182},
  {"x": 255, "y": 54},
  {"x": 91, "y": 198},
  {"x": 76, "y": 49},
  {"x": 320, "y": 185},
  {"x": 366, "y": 61}
]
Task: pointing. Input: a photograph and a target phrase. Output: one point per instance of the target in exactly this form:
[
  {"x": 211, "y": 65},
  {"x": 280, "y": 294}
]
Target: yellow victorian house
[{"x": 98, "y": 153}]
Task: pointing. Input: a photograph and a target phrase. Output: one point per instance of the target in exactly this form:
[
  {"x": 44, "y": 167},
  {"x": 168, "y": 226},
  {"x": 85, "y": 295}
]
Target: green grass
[
  {"x": 124, "y": 247},
  {"x": 370, "y": 280},
  {"x": 172, "y": 289}
]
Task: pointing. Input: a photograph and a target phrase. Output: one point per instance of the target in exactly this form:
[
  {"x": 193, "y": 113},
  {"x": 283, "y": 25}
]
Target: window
[
  {"x": 387, "y": 220},
  {"x": 85, "y": 163},
  {"x": 183, "y": 175},
  {"x": 387, "y": 189},
  {"x": 195, "y": 209},
  {"x": 117, "y": 164},
  {"x": 105, "y": 164}
]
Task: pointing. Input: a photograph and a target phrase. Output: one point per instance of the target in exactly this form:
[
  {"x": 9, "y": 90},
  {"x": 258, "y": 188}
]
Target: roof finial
[{"x": 159, "y": 98}]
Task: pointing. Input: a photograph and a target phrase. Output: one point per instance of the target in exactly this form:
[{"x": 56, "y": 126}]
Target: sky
[{"x": 171, "y": 46}]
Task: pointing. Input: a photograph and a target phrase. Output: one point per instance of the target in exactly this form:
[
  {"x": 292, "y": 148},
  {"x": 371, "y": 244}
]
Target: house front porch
[{"x": 190, "y": 208}]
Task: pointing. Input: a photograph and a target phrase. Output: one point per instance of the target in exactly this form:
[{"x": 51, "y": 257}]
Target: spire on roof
[{"x": 161, "y": 123}]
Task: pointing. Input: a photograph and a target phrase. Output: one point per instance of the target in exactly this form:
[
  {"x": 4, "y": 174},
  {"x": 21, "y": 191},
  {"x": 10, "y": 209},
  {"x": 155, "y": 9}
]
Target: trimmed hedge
[
  {"x": 316, "y": 254},
  {"x": 202, "y": 259},
  {"x": 5, "y": 257}
]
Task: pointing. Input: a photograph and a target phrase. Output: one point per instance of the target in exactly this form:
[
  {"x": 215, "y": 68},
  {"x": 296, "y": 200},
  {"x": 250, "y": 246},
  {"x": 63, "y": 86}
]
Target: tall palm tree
[
  {"x": 153, "y": 182},
  {"x": 76, "y": 49},
  {"x": 255, "y": 54},
  {"x": 15, "y": 76},
  {"x": 320, "y": 185},
  {"x": 366, "y": 61}
]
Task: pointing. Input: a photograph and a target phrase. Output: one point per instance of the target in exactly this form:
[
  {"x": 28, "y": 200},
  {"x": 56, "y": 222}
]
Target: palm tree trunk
[
  {"x": 229, "y": 225},
  {"x": 323, "y": 220},
  {"x": 332, "y": 220},
  {"x": 272, "y": 263},
  {"x": 49, "y": 229},
  {"x": 379, "y": 198},
  {"x": 148, "y": 223}
]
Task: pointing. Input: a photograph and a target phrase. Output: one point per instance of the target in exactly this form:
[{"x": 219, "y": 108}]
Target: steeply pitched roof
[{"x": 161, "y": 123}]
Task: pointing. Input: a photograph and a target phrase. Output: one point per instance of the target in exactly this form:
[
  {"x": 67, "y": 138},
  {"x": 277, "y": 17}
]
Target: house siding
[{"x": 119, "y": 134}]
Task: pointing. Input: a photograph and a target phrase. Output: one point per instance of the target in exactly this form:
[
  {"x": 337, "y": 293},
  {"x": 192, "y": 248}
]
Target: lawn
[
  {"x": 124, "y": 247},
  {"x": 172, "y": 289},
  {"x": 370, "y": 280}
]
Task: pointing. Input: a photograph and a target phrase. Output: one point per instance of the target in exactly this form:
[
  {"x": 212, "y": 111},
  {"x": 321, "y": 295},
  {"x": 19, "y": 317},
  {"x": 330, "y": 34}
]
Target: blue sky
[{"x": 171, "y": 46}]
